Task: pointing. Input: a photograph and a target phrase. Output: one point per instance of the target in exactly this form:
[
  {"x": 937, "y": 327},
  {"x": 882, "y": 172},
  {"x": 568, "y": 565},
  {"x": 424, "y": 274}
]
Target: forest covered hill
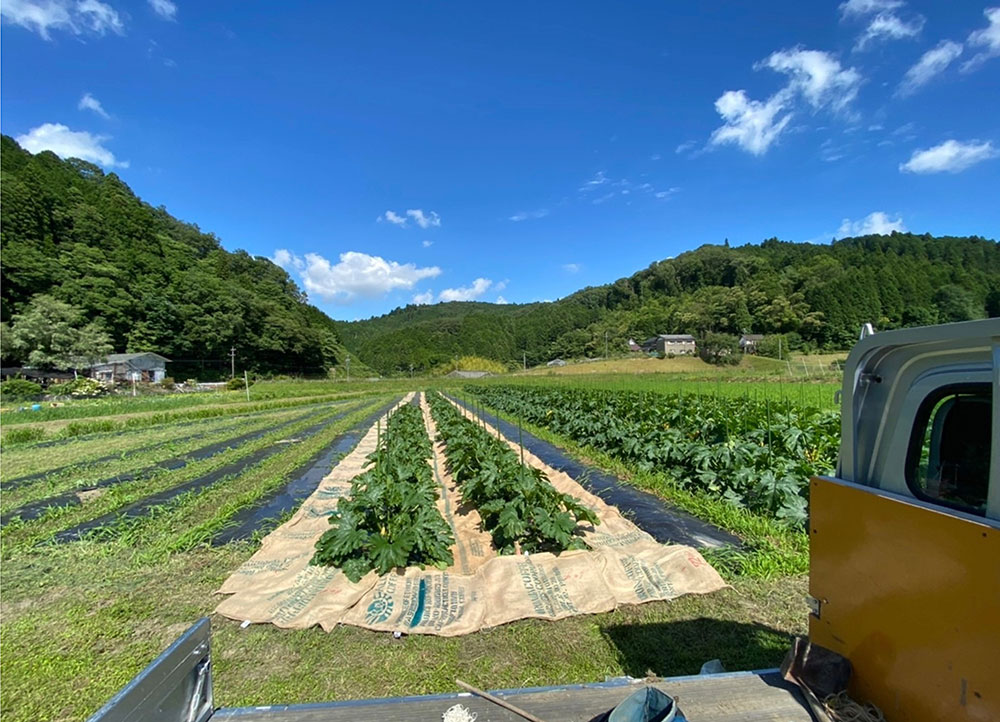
[
  {"x": 76, "y": 233},
  {"x": 818, "y": 296}
]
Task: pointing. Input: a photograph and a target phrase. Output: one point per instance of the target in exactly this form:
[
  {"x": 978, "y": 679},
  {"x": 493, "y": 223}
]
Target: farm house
[
  {"x": 675, "y": 343},
  {"x": 120, "y": 367}
]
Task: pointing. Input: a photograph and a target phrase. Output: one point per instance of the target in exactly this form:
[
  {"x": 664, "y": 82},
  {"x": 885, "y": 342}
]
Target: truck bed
[{"x": 731, "y": 697}]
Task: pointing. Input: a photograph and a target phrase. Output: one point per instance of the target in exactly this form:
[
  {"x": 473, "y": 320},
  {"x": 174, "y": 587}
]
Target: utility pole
[
  {"x": 605, "y": 345},
  {"x": 232, "y": 362},
  {"x": 411, "y": 371},
  {"x": 524, "y": 359},
  {"x": 348, "y": 367},
  {"x": 779, "y": 348}
]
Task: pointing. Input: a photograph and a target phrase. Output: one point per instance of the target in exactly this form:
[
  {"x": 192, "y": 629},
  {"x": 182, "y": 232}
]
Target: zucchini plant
[
  {"x": 755, "y": 454},
  {"x": 520, "y": 509},
  {"x": 390, "y": 519}
]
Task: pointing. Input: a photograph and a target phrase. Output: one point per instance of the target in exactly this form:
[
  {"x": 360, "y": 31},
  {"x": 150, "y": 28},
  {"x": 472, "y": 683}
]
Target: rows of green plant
[
  {"x": 151, "y": 460},
  {"x": 84, "y": 453},
  {"x": 29, "y": 434},
  {"x": 819, "y": 393},
  {"x": 390, "y": 518},
  {"x": 115, "y": 498},
  {"x": 754, "y": 454},
  {"x": 194, "y": 518},
  {"x": 519, "y": 507}
]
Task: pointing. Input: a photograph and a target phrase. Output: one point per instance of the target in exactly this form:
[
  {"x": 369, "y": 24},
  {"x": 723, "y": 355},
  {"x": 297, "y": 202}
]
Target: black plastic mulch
[
  {"x": 665, "y": 523},
  {"x": 307, "y": 478},
  {"x": 143, "y": 506}
]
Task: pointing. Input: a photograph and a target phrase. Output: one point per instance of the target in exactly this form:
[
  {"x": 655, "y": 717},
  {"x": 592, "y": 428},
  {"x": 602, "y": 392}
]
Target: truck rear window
[{"x": 948, "y": 462}]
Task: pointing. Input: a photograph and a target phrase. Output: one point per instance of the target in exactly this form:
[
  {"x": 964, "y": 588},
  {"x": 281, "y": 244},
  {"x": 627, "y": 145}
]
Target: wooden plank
[{"x": 738, "y": 697}]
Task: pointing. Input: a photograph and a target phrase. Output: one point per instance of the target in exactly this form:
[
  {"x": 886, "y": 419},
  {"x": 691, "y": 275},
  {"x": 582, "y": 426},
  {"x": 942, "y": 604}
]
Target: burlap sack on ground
[{"x": 624, "y": 565}]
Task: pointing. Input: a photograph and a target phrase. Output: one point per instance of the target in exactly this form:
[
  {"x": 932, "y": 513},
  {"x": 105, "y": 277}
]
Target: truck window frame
[{"x": 919, "y": 428}]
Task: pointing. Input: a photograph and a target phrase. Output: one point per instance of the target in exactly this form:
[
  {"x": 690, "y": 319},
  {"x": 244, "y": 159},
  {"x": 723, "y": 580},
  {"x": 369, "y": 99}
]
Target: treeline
[
  {"x": 71, "y": 231},
  {"x": 817, "y": 296}
]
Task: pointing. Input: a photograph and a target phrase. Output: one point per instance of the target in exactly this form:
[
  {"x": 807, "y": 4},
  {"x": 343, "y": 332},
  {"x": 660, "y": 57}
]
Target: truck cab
[{"x": 905, "y": 541}]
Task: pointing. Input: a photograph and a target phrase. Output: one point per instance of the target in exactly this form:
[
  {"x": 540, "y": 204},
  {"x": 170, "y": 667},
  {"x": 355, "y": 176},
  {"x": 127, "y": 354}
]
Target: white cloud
[
  {"x": 89, "y": 102},
  {"x": 890, "y": 26},
  {"x": 422, "y": 220},
  {"x": 860, "y": 8},
  {"x": 655, "y": 156},
  {"x": 874, "y": 223},
  {"x": 164, "y": 8},
  {"x": 356, "y": 275},
  {"x": 501, "y": 301},
  {"x": 286, "y": 259},
  {"x": 529, "y": 215},
  {"x": 817, "y": 75},
  {"x": 667, "y": 193},
  {"x": 425, "y": 298},
  {"x": 750, "y": 124},
  {"x": 814, "y": 75},
  {"x": 77, "y": 17},
  {"x": 606, "y": 197},
  {"x": 501, "y": 286},
  {"x": 987, "y": 38},
  {"x": 571, "y": 267},
  {"x": 933, "y": 62},
  {"x": 952, "y": 156},
  {"x": 466, "y": 293},
  {"x": 885, "y": 23},
  {"x": 427, "y": 244},
  {"x": 393, "y": 218},
  {"x": 685, "y": 146},
  {"x": 598, "y": 180},
  {"x": 70, "y": 144}
]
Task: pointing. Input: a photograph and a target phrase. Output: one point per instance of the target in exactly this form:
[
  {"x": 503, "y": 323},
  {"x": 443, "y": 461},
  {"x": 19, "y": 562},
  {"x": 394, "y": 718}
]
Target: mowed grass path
[{"x": 78, "y": 620}]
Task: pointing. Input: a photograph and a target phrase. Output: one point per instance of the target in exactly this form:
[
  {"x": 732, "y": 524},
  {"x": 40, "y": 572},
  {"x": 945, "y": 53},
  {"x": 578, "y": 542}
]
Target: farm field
[{"x": 95, "y": 589}]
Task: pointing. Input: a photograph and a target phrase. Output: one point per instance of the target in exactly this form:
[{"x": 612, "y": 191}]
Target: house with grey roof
[
  {"x": 675, "y": 343},
  {"x": 125, "y": 367}
]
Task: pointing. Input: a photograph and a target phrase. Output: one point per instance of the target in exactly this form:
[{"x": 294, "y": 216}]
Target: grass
[
  {"x": 818, "y": 393},
  {"x": 75, "y": 464},
  {"x": 79, "y": 620},
  {"x": 93, "y": 614},
  {"x": 116, "y": 497}
]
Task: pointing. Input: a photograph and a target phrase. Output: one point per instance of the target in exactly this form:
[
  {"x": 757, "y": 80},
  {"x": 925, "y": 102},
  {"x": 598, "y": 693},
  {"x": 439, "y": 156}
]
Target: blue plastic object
[
  {"x": 36, "y": 407},
  {"x": 645, "y": 705}
]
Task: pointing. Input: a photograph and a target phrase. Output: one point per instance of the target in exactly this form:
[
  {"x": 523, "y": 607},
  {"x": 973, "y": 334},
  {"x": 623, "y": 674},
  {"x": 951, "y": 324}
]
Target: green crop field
[{"x": 110, "y": 541}]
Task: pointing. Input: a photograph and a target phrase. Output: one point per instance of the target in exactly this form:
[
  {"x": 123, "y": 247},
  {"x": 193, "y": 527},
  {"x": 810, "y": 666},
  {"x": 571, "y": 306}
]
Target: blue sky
[{"x": 387, "y": 153}]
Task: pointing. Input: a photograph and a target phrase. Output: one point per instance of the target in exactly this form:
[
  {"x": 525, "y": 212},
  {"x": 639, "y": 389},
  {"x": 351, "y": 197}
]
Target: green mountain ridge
[
  {"x": 159, "y": 284},
  {"x": 72, "y": 231},
  {"x": 817, "y": 295}
]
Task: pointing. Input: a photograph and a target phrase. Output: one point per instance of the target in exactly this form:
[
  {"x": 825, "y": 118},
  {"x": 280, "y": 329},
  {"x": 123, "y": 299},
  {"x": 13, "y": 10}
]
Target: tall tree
[{"x": 52, "y": 334}]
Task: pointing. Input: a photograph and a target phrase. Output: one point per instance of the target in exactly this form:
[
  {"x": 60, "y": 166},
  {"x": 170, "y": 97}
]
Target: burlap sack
[{"x": 481, "y": 589}]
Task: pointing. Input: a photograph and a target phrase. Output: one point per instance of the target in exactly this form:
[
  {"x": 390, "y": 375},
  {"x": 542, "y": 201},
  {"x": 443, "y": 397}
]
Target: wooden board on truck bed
[{"x": 733, "y": 697}]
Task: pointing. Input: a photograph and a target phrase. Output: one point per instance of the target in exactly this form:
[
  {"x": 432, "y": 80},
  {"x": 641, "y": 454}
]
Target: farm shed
[
  {"x": 44, "y": 376},
  {"x": 749, "y": 341},
  {"x": 147, "y": 366},
  {"x": 468, "y": 374},
  {"x": 675, "y": 343}
]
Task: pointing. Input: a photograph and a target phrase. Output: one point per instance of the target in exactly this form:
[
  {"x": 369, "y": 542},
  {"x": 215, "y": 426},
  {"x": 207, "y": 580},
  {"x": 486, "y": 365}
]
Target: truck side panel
[{"x": 910, "y": 594}]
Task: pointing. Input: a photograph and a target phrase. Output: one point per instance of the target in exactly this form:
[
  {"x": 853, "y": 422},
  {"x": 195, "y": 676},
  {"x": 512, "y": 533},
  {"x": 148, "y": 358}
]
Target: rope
[
  {"x": 844, "y": 709},
  {"x": 458, "y": 713}
]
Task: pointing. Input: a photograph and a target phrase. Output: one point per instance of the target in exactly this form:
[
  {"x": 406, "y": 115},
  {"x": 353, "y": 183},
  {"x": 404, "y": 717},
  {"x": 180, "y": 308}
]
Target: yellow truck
[{"x": 904, "y": 577}]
